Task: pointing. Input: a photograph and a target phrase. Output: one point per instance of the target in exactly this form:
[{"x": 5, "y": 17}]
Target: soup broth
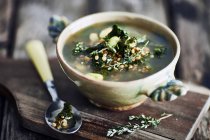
[{"x": 148, "y": 53}]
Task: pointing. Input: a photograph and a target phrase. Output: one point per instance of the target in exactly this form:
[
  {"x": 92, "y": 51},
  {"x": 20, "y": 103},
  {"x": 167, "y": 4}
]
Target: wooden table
[{"x": 189, "y": 19}]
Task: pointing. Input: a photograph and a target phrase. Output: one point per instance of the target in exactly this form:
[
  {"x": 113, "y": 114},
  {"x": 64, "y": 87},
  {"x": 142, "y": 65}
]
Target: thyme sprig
[{"x": 141, "y": 122}]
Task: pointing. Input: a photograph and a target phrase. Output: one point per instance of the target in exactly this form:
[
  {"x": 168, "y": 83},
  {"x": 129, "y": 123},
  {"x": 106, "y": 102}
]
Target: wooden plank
[
  {"x": 2, "y": 109},
  {"x": 32, "y": 100},
  {"x": 197, "y": 122},
  {"x": 202, "y": 131},
  {"x": 11, "y": 128}
]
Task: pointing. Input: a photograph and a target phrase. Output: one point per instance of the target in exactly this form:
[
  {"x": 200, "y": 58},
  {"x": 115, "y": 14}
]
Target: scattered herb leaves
[{"x": 141, "y": 122}]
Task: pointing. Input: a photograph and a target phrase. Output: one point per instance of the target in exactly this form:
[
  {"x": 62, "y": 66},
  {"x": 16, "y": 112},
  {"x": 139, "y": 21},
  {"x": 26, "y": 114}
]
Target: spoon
[{"x": 36, "y": 52}]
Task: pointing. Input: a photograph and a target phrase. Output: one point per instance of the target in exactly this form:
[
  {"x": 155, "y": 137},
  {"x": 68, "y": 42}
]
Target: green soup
[{"x": 117, "y": 52}]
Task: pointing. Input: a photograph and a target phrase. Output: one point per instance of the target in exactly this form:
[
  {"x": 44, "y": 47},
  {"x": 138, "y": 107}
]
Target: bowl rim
[{"x": 79, "y": 74}]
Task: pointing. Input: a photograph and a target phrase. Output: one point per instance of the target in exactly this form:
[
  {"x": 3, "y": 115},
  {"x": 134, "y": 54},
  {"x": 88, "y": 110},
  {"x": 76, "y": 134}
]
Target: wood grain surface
[{"x": 32, "y": 100}]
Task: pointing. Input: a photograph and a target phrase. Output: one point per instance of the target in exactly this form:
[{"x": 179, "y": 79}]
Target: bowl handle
[
  {"x": 169, "y": 92},
  {"x": 56, "y": 25}
]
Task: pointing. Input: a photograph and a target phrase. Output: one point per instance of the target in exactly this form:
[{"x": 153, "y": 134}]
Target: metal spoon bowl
[
  {"x": 38, "y": 56},
  {"x": 52, "y": 112}
]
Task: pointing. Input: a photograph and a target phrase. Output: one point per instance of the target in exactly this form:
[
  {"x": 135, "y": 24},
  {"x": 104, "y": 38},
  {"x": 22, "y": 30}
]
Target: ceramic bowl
[{"x": 112, "y": 95}]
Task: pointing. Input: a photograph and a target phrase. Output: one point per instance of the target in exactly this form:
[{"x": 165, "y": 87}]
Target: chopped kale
[
  {"x": 116, "y": 31},
  {"x": 118, "y": 51},
  {"x": 159, "y": 51}
]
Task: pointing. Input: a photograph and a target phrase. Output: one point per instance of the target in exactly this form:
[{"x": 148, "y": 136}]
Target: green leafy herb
[
  {"x": 141, "y": 122},
  {"x": 129, "y": 128},
  {"x": 145, "y": 121},
  {"x": 63, "y": 119},
  {"x": 79, "y": 47},
  {"x": 117, "y": 31},
  {"x": 131, "y": 42},
  {"x": 159, "y": 51},
  {"x": 118, "y": 51},
  {"x": 66, "y": 112}
]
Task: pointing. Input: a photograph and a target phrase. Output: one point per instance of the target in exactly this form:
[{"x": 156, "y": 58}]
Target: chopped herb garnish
[
  {"x": 159, "y": 51},
  {"x": 141, "y": 122},
  {"x": 79, "y": 47},
  {"x": 117, "y": 31},
  {"x": 117, "y": 51},
  {"x": 63, "y": 119}
]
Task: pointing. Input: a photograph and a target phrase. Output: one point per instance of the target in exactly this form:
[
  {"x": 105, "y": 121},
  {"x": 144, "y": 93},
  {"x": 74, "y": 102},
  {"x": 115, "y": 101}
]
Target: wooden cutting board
[{"x": 20, "y": 82}]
